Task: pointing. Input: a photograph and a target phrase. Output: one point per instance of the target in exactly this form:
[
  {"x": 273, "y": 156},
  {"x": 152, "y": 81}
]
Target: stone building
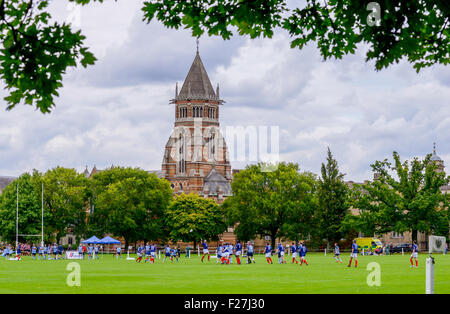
[
  {"x": 406, "y": 237},
  {"x": 4, "y": 181},
  {"x": 196, "y": 156}
]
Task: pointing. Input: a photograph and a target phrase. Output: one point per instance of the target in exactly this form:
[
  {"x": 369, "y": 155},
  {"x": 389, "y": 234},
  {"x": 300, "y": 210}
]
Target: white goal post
[
  {"x": 42, "y": 219},
  {"x": 436, "y": 244}
]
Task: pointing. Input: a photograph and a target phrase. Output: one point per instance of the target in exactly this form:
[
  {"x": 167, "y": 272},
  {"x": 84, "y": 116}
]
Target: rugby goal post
[
  {"x": 128, "y": 255},
  {"x": 17, "y": 220},
  {"x": 436, "y": 244}
]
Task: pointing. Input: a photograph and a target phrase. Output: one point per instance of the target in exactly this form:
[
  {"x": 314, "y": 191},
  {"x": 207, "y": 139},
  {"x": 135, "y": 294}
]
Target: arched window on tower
[
  {"x": 212, "y": 145},
  {"x": 181, "y": 154}
]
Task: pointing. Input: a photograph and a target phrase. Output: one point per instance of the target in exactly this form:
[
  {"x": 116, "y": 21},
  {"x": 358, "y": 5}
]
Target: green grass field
[{"x": 323, "y": 275}]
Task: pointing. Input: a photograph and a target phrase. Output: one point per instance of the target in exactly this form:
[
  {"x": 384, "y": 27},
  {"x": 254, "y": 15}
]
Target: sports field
[{"x": 190, "y": 276}]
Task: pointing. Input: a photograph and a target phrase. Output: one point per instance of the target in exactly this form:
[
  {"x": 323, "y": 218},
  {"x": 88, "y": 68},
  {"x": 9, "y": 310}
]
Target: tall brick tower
[{"x": 196, "y": 157}]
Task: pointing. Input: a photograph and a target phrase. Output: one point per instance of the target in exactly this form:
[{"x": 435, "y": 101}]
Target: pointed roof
[
  {"x": 435, "y": 157},
  {"x": 197, "y": 84},
  {"x": 215, "y": 183}
]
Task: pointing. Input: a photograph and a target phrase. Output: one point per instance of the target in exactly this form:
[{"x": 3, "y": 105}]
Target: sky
[{"x": 117, "y": 112}]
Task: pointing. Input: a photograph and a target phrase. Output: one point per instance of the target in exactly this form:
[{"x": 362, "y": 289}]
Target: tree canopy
[
  {"x": 405, "y": 196},
  {"x": 130, "y": 203},
  {"x": 192, "y": 218},
  {"x": 36, "y": 53},
  {"x": 271, "y": 203},
  {"x": 333, "y": 201}
]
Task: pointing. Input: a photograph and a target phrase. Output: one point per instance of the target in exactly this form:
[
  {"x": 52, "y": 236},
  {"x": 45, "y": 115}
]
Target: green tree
[
  {"x": 272, "y": 203},
  {"x": 66, "y": 196},
  {"x": 405, "y": 197},
  {"x": 129, "y": 203},
  {"x": 191, "y": 218},
  {"x": 333, "y": 201},
  {"x": 416, "y": 29},
  {"x": 30, "y": 209},
  {"x": 35, "y": 53}
]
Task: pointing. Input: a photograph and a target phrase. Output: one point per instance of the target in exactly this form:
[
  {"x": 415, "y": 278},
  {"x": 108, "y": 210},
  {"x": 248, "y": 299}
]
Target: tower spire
[{"x": 198, "y": 42}]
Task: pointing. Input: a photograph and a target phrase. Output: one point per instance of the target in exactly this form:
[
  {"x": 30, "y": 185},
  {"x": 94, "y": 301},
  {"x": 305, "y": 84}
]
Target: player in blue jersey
[
  {"x": 225, "y": 254},
  {"x": 219, "y": 253},
  {"x": 60, "y": 251},
  {"x": 280, "y": 251},
  {"x": 250, "y": 253},
  {"x": 147, "y": 252},
  {"x": 293, "y": 249},
  {"x": 167, "y": 252},
  {"x": 230, "y": 253},
  {"x": 268, "y": 252},
  {"x": 152, "y": 253},
  {"x": 18, "y": 251},
  {"x": 354, "y": 254},
  {"x": 55, "y": 250},
  {"x": 119, "y": 251},
  {"x": 41, "y": 252},
  {"x": 97, "y": 250},
  {"x": 7, "y": 251},
  {"x": 45, "y": 251},
  {"x": 337, "y": 253},
  {"x": 140, "y": 253},
  {"x": 174, "y": 254},
  {"x": 415, "y": 251},
  {"x": 205, "y": 250},
  {"x": 238, "y": 252},
  {"x": 302, "y": 253},
  {"x": 33, "y": 252},
  {"x": 90, "y": 251}
]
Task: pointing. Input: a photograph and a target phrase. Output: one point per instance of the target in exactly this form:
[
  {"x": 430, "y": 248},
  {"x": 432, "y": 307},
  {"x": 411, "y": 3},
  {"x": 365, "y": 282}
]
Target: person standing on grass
[
  {"x": 153, "y": 253},
  {"x": 294, "y": 253},
  {"x": 41, "y": 252},
  {"x": 238, "y": 252},
  {"x": 33, "y": 252},
  {"x": 18, "y": 251},
  {"x": 96, "y": 250},
  {"x": 147, "y": 252},
  {"x": 303, "y": 252},
  {"x": 61, "y": 251},
  {"x": 90, "y": 251},
  {"x": 219, "y": 253},
  {"x": 415, "y": 250},
  {"x": 139, "y": 254},
  {"x": 167, "y": 253},
  {"x": 268, "y": 252},
  {"x": 205, "y": 250},
  {"x": 354, "y": 254},
  {"x": 119, "y": 251},
  {"x": 280, "y": 251},
  {"x": 226, "y": 254},
  {"x": 250, "y": 253},
  {"x": 174, "y": 254},
  {"x": 55, "y": 250},
  {"x": 337, "y": 253},
  {"x": 80, "y": 251}
]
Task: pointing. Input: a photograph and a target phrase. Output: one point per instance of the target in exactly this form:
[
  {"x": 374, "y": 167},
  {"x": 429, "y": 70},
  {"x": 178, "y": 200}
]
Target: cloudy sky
[{"x": 117, "y": 112}]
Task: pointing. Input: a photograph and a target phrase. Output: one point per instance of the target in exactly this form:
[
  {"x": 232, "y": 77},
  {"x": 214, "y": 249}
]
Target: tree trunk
[
  {"x": 273, "y": 238},
  {"x": 414, "y": 235},
  {"x": 126, "y": 244}
]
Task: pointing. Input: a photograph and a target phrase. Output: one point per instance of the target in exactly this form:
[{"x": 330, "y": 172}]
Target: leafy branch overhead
[{"x": 36, "y": 53}]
